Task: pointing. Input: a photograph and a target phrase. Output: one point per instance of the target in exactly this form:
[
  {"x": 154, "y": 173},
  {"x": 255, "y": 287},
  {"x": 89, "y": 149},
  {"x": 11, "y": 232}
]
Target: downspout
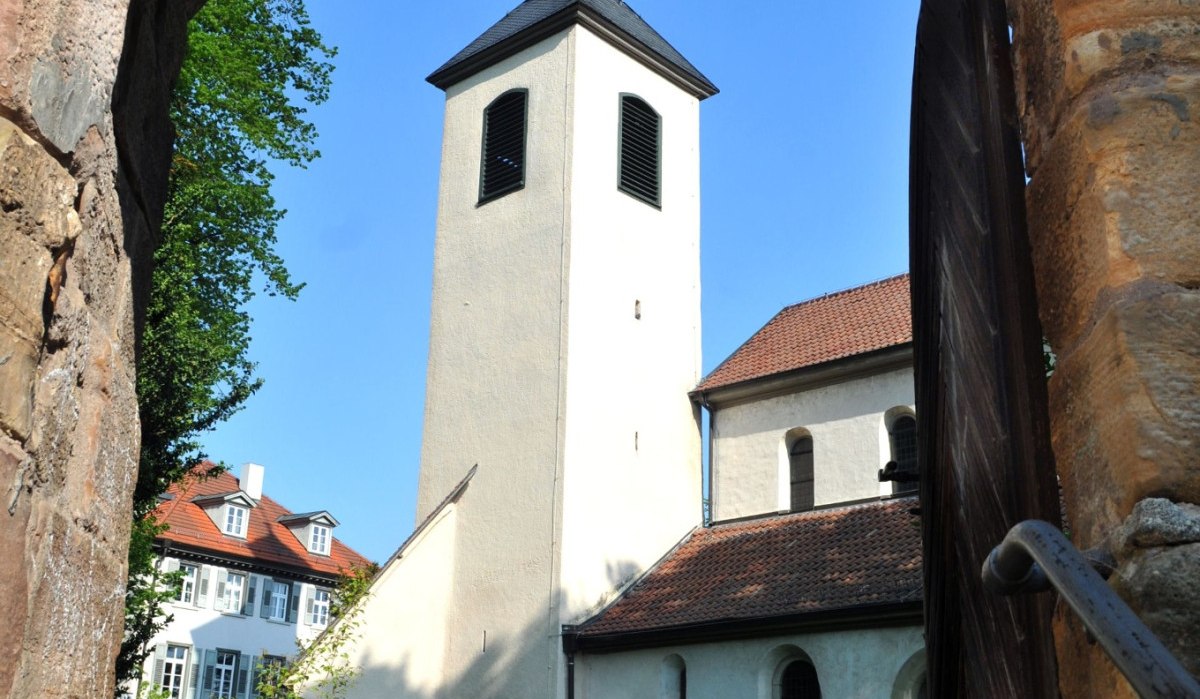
[
  {"x": 570, "y": 643},
  {"x": 712, "y": 424}
]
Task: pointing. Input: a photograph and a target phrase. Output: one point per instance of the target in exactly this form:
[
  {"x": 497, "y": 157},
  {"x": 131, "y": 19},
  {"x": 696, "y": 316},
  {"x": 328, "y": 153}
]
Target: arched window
[
  {"x": 799, "y": 681},
  {"x": 502, "y": 168},
  {"x": 911, "y": 681},
  {"x": 674, "y": 678},
  {"x": 903, "y": 437},
  {"x": 800, "y": 467},
  {"x": 640, "y": 139}
]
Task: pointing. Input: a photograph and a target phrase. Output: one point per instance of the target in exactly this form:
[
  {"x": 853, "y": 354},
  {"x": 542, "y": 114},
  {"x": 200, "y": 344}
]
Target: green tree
[{"x": 239, "y": 108}]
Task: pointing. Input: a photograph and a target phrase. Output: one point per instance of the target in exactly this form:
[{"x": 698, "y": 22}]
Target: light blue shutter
[
  {"x": 268, "y": 593},
  {"x": 252, "y": 691},
  {"x": 248, "y": 603},
  {"x": 294, "y": 603},
  {"x": 243, "y": 669},
  {"x": 210, "y": 659},
  {"x": 195, "y": 676}
]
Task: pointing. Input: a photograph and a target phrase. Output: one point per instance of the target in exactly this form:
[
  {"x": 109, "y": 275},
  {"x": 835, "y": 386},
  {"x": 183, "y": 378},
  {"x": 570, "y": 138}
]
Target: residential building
[{"x": 257, "y": 580}]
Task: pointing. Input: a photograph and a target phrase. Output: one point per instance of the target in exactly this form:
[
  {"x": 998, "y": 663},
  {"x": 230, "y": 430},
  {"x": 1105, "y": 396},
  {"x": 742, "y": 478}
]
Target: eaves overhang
[
  {"x": 891, "y": 614},
  {"x": 456, "y": 71},
  {"x": 196, "y": 554},
  {"x": 783, "y": 383}
]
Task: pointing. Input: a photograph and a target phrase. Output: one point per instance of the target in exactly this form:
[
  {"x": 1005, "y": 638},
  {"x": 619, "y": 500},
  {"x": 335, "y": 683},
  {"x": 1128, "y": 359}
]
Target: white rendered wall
[
  {"x": 495, "y": 378},
  {"x": 858, "y": 664},
  {"x": 539, "y": 372},
  {"x": 631, "y": 483},
  {"x": 850, "y": 444},
  {"x": 402, "y": 641}
]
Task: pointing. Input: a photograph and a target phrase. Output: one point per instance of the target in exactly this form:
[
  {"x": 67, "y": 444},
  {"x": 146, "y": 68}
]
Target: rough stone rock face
[
  {"x": 1109, "y": 94},
  {"x": 78, "y": 216}
]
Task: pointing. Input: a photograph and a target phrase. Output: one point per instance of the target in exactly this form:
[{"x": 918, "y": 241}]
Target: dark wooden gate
[{"x": 981, "y": 399}]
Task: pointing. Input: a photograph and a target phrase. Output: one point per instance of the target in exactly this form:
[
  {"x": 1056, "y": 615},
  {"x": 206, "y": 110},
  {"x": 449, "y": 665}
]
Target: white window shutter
[
  {"x": 171, "y": 565},
  {"x": 202, "y": 593},
  {"x": 160, "y": 653},
  {"x": 308, "y": 604}
]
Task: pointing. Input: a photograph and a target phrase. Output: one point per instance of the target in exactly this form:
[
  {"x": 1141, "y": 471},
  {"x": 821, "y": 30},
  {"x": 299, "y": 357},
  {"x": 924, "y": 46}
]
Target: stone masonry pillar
[
  {"x": 1109, "y": 94},
  {"x": 83, "y": 162}
]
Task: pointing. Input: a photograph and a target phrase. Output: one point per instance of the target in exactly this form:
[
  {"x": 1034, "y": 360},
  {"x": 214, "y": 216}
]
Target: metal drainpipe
[{"x": 570, "y": 641}]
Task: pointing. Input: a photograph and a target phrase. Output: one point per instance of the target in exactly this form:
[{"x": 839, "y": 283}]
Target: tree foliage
[{"x": 239, "y": 108}]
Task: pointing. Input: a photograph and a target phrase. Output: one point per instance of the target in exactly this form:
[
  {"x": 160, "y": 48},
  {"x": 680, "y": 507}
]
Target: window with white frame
[
  {"x": 224, "y": 672},
  {"x": 279, "y": 600},
  {"x": 174, "y": 667},
  {"x": 319, "y": 541},
  {"x": 235, "y": 520},
  {"x": 318, "y": 613},
  {"x": 187, "y": 584},
  {"x": 230, "y": 592}
]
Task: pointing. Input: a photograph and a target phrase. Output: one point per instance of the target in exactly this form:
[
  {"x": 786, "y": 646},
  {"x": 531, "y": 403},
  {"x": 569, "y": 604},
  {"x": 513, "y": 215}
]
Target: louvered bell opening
[
  {"x": 503, "y": 167},
  {"x": 639, "y": 150}
]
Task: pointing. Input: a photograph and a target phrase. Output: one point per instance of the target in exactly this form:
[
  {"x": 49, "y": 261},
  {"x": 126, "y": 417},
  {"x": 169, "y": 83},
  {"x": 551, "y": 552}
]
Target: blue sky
[{"x": 804, "y": 162}]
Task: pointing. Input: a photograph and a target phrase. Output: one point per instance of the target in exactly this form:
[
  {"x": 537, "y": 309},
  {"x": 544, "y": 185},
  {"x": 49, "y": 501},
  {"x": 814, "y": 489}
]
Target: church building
[{"x": 561, "y": 549}]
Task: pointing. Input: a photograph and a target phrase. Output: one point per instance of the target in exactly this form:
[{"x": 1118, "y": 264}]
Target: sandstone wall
[
  {"x": 1109, "y": 92},
  {"x": 83, "y": 154}
]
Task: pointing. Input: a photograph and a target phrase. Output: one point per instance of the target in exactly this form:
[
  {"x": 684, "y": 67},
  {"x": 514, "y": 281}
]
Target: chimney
[{"x": 252, "y": 480}]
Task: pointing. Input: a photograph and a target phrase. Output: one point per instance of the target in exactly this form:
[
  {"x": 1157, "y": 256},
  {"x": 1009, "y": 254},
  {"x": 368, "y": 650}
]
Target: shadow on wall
[{"x": 489, "y": 674}]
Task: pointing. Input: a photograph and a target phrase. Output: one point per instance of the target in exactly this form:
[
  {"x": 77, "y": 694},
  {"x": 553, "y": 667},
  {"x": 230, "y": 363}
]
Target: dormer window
[
  {"x": 235, "y": 520},
  {"x": 314, "y": 530},
  {"x": 319, "y": 541}
]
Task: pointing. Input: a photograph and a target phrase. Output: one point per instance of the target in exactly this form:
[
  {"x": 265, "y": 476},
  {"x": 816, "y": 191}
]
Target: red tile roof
[
  {"x": 843, "y": 324},
  {"x": 266, "y": 541},
  {"x": 819, "y": 561}
]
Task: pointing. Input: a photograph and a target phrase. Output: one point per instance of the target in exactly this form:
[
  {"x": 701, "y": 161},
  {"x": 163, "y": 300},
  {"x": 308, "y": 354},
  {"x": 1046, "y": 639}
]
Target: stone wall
[
  {"x": 1109, "y": 94},
  {"x": 84, "y": 150}
]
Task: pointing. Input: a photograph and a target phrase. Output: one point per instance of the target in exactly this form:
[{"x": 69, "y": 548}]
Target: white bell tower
[{"x": 565, "y": 331}]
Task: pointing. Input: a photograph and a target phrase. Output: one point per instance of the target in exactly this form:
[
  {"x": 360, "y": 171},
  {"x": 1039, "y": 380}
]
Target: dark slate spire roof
[{"x": 534, "y": 20}]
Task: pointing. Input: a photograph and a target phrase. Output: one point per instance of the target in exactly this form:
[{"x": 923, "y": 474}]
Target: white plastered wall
[
  {"x": 402, "y": 641},
  {"x": 855, "y": 664},
  {"x": 846, "y": 421},
  {"x": 539, "y": 372},
  {"x": 631, "y": 483}
]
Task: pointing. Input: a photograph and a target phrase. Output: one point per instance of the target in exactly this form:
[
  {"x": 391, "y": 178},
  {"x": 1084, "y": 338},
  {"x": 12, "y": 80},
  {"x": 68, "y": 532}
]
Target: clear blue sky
[{"x": 804, "y": 161}]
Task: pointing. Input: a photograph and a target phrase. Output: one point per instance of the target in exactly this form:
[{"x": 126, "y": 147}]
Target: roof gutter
[{"x": 891, "y": 614}]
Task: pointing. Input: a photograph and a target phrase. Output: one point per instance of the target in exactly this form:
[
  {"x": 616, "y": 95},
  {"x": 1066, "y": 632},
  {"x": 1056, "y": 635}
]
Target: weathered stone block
[
  {"x": 1115, "y": 201},
  {"x": 1125, "y": 421}
]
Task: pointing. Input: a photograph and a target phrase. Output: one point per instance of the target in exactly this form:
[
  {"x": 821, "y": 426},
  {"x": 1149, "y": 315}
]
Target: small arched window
[
  {"x": 640, "y": 139},
  {"x": 800, "y": 467},
  {"x": 903, "y": 438},
  {"x": 502, "y": 168},
  {"x": 674, "y": 678},
  {"x": 799, "y": 681}
]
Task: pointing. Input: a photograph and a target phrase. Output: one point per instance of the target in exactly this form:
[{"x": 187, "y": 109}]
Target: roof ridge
[
  {"x": 871, "y": 503},
  {"x": 842, "y": 292}
]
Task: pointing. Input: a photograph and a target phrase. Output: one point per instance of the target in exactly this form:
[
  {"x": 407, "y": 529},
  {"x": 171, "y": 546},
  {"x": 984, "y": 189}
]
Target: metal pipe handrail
[{"x": 1036, "y": 556}]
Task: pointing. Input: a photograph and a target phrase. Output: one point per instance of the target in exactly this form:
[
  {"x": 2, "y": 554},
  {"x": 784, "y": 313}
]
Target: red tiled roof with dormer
[
  {"x": 851, "y": 557},
  {"x": 835, "y": 326},
  {"x": 267, "y": 541}
]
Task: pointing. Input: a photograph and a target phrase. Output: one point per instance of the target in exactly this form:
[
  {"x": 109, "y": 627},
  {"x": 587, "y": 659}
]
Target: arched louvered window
[
  {"x": 800, "y": 463},
  {"x": 799, "y": 681},
  {"x": 502, "y": 169},
  {"x": 903, "y": 436},
  {"x": 640, "y": 150}
]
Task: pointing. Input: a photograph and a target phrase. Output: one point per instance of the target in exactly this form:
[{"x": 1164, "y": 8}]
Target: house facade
[{"x": 257, "y": 580}]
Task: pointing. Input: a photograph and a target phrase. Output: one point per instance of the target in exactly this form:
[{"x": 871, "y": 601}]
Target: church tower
[{"x": 565, "y": 332}]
